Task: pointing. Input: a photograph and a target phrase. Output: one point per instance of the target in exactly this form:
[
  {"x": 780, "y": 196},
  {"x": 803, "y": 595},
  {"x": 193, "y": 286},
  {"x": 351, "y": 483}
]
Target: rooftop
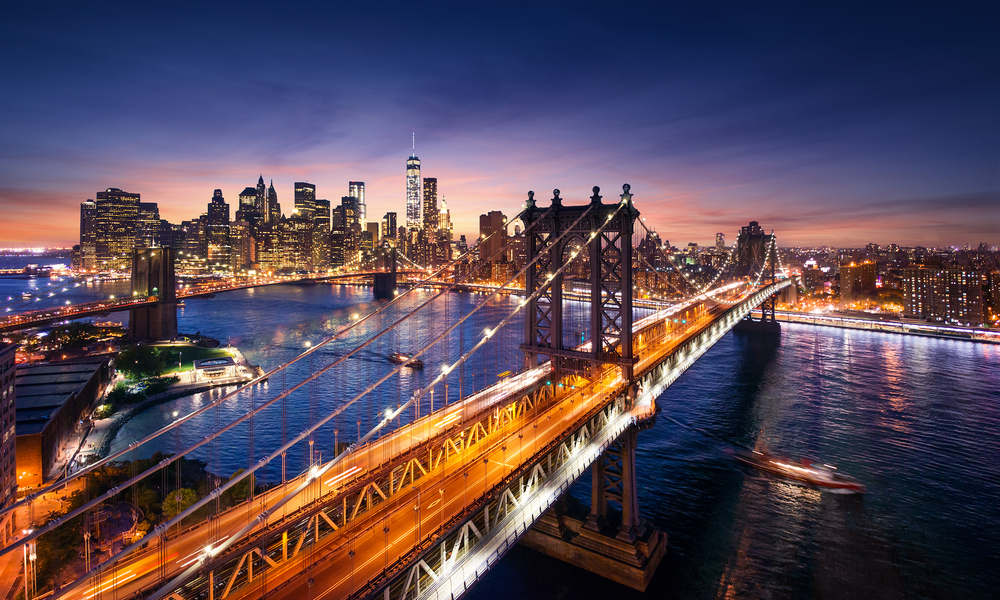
[{"x": 42, "y": 391}]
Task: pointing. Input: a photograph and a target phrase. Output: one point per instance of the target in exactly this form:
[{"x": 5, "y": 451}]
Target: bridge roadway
[{"x": 43, "y": 316}]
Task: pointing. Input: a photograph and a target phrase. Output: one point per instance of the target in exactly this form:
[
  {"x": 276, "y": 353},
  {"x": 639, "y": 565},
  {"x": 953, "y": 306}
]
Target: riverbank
[
  {"x": 919, "y": 328},
  {"x": 96, "y": 443}
]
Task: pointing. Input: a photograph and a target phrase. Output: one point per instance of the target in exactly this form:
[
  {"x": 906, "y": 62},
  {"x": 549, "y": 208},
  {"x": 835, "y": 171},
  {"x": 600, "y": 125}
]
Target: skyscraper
[
  {"x": 217, "y": 242},
  {"x": 444, "y": 220},
  {"x": 262, "y": 200},
  {"x": 430, "y": 209},
  {"x": 305, "y": 199},
  {"x": 322, "y": 216},
  {"x": 88, "y": 234},
  {"x": 273, "y": 208},
  {"x": 117, "y": 215},
  {"x": 147, "y": 232},
  {"x": 492, "y": 223},
  {"x": 720, "y": 240},
  {"x": 389, "y": 225},
  {"x": 413, "y": 192},
  {"x": 247, "y": 210},
  {"x": 357, "y": 190}
]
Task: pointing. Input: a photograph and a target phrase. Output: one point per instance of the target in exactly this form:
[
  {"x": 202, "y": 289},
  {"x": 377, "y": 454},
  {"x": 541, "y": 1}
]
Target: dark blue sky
[{"x": 841, "y": 124}]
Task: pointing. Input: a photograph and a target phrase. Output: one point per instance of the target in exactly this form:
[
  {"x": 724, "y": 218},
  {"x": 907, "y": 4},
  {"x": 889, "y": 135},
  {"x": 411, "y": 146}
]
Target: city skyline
[{"x": 837, "y": 128}]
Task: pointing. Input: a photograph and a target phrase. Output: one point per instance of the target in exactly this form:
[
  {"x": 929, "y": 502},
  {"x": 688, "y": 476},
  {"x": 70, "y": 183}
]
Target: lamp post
[
  {"x": 29, "y": 555},
  {"x": 441, "y": 511},
  {"x": 416, "y": 514}
]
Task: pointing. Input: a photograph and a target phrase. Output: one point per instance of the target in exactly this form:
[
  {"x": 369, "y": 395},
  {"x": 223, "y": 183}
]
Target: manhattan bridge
[{"x": 417, "y": 497}]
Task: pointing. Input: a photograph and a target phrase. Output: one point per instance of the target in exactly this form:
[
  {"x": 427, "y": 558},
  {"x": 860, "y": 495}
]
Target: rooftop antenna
[{"x": 414, "y": 153}]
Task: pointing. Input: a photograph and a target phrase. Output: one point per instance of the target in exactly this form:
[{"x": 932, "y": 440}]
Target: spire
[
  {"x": 272, "y": 184},
  {"x": 413, "y": 154},
  {"x": 261, "y": 180}
]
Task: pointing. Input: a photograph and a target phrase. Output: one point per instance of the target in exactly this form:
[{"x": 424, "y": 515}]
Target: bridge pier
[
  {"x": 153, "y": 275},
  {"x": 385, "y": 283},
  {"x": 626, "y": 552}
]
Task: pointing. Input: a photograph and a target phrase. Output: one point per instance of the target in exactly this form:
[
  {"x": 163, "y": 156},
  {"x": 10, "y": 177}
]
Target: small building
[
  {"x": 214, "y": 368},
  {"x": 8, "y": 462},
  {"x": 51, "y": 399}
]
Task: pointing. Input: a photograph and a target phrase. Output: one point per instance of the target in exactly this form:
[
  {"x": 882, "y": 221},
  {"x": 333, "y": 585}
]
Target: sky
[{"x": 830, "y": 124}]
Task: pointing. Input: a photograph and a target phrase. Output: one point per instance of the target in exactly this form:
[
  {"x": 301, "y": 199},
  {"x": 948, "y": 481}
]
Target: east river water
[{"x": 917, "y": 420}]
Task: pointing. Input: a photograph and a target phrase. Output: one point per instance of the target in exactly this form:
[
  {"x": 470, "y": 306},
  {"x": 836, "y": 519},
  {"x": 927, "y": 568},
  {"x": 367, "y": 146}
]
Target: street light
[
  {"x": 416, "y": 513},
  {"x": 29, "y": 554}
]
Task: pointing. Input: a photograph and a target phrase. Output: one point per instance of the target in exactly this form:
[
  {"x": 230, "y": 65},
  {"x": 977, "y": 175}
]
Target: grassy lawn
[{"x": 189, "y": 354}]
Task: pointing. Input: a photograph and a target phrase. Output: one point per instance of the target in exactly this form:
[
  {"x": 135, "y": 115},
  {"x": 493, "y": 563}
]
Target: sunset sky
[{"x": 838, "y": 124}]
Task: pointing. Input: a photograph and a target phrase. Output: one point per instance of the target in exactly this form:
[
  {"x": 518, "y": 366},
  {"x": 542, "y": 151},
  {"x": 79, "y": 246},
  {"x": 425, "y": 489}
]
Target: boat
[
  {"x": 805, "y": 471},
  {"x": 180, "y": 304},
  {"x": 399, "y": 358}
]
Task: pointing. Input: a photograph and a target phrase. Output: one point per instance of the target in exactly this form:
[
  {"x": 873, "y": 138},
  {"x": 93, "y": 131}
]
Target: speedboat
[
  {"x": 823, "y": 476},
  {"x": 399, "y": 358}
]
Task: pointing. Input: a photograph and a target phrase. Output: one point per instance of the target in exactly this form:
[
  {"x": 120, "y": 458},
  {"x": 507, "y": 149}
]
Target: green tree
[
  {"x": 177, "y": 501},
  {"x": 138, "y": 362}
]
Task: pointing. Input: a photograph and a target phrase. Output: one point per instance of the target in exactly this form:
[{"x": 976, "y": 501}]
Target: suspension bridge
[{"x": 429, "y": 495}]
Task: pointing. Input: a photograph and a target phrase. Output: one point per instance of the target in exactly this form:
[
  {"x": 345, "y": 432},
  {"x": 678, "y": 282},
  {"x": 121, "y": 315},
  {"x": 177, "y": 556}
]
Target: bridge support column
[
  {"x": 153, "y": 275},
  {"x": 626, "y": 551},
  {"x": 385, "y": 283}
]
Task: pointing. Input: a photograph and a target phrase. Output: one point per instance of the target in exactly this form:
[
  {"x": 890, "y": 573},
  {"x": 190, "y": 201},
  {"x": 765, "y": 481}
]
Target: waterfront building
[
  {"x": 88, "y": 234},
  {"x": 242, "y": 245},
  {"x": 296, "y": 236},
  {"x": 857, "y": 280},
  {"x": 356, "y": 189},
  {"x": 489, "y": 247},
  {"x": 268, "y": 248},
  {"x": 944, "y": 295},
  {"x": 8, "y": 437},
  {"x": 429, "y": 205},
  {"x": 413, "y": 193},
  {"x": 51, "y": 399},
  {"x": 115, "y": 224}
]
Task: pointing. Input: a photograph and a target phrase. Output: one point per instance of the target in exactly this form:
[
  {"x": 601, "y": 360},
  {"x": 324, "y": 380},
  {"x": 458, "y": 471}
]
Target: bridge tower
[
  {"x": 610, "y": 254},
  {"x": 153, "y": 275},
  {"x": 628, "y": 551},
  {"x": 385, "y": 283},
  {"x": 756, "y": 257}
]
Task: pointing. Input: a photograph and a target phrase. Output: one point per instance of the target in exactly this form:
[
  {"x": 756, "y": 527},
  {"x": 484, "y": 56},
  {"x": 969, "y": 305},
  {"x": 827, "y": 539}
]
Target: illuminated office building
[
  {"x": 356, "y": 189},
  {"x": 429, "y": 205},
  {"x": 413, "y": 193},
  {"x": 116, "y": 222},
  {"x": 305, "y": 199}
]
